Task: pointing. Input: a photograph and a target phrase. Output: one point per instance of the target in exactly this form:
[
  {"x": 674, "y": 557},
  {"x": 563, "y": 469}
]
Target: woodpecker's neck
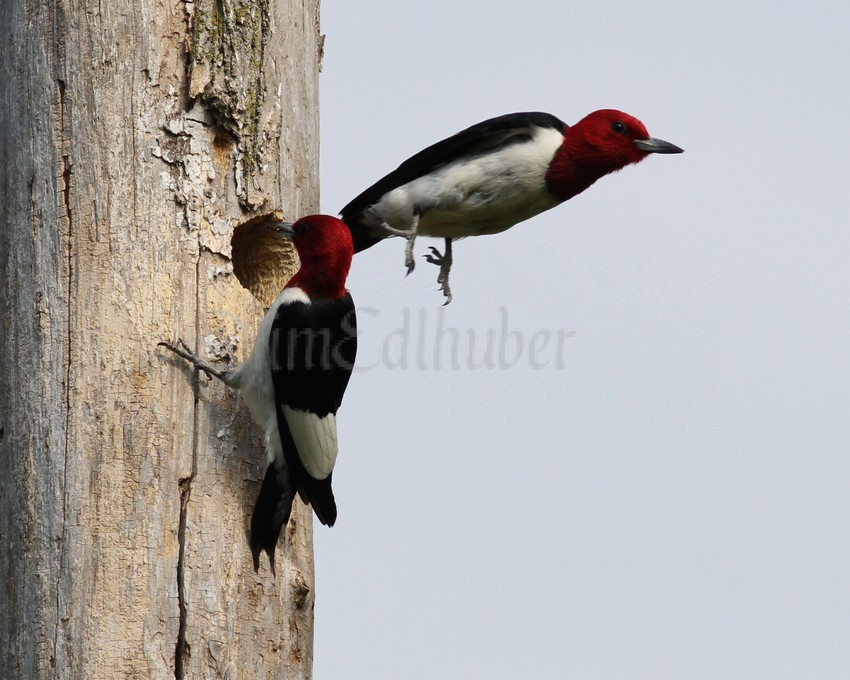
[
  {"x": 322, "y": 274},
  {"x": 579, "y": 162}
]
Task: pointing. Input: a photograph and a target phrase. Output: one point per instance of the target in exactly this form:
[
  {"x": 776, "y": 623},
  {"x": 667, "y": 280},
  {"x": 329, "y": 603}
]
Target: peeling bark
[{"x": 127, "y": 481}]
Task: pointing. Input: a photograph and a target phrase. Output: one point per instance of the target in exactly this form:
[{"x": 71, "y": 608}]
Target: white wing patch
[{"x": 315, "y": 439}]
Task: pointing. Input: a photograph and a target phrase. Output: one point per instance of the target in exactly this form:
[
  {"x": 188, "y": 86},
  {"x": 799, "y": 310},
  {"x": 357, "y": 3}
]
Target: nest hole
[{"x": 262, "y": 261}]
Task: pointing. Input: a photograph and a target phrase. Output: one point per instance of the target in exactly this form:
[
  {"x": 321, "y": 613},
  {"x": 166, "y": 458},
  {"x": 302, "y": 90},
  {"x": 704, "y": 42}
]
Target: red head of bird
[
  {"x": 600, "y": 143},
  {"x": 324, "y": 250}
]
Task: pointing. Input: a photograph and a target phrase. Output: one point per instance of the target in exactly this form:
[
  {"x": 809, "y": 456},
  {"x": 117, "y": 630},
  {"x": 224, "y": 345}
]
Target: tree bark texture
[{"x": 134, "y": 139}]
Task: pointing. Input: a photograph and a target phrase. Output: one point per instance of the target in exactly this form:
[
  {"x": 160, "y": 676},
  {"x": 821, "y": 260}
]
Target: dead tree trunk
[{"x": 134, "y": 138}]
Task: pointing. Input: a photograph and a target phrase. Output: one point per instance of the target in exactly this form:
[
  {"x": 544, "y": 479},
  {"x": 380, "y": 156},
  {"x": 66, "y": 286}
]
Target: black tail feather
[
  {"x": 271, "y": 513},
  {"x": 320, "y": 495}
]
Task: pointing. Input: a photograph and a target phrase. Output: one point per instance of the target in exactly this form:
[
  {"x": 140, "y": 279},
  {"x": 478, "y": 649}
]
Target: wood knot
[{"x": 300, "y": 590}]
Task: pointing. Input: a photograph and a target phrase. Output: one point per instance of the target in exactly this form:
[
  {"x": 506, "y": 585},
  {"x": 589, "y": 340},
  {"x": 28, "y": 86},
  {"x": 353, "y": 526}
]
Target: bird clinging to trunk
[{"x": 294, "y": 380}]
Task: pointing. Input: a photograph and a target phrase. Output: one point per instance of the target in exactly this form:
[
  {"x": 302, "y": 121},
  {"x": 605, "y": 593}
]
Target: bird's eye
[
  {"x": 618, "y": 126},
  {"x": 301, "y": 228}
]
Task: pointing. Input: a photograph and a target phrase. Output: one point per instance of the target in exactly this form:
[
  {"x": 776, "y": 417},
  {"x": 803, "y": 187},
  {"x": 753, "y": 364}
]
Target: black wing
[
  {"x": 483, "y": 137},
  {"x": 312, "y": 348}
]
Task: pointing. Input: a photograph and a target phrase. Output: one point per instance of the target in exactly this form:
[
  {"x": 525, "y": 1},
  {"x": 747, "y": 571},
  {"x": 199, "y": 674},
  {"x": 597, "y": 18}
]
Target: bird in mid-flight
[{"x": 489, "y": 177}]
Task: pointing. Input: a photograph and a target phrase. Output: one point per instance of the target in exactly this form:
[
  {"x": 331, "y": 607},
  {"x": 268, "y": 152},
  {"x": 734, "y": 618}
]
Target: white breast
[
  {"x": 484, "y": 194},
  {"x": 254, "y": 377}
]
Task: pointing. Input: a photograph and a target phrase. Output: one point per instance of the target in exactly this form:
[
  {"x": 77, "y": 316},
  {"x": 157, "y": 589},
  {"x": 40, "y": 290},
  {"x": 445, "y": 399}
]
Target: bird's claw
[
  {"x": 408, "y": 254},
  {"x": 444, "y": 286},
  {"x": 183, "y": 350},
  {"x": 408, "y": 235},
  {"x": 435, "y": 257},
  {"x": 444, "y": 261}
]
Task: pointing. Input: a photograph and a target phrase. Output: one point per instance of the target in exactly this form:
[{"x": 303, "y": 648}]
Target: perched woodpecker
[
  {"x": 492, "y": 175},
  {"x": 295, "y": 378}
]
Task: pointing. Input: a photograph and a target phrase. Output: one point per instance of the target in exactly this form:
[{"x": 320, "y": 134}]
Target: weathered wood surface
[{"x": 133, "y": 139}]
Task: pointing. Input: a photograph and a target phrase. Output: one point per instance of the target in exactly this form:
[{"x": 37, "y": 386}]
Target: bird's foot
[
  {"x": 409, "y": 262},
  {"x": 408, "y": 235},
  {"x": 444, "y": 261},
  {"x": 181, "y": 349}
]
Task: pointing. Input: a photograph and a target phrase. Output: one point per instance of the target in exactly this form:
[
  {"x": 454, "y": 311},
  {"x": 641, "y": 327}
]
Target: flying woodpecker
[{"x": 489, "y": 177}]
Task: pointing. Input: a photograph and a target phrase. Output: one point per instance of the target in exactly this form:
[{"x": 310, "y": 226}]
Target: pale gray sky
[{"x": 661, "y": 489}]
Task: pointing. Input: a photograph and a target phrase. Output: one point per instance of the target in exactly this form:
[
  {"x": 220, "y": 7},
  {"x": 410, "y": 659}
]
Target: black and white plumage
[
  {"x": 294, "y": 380},
  {"x": 313, "y": 345},
  {"x": 492, "y": 175},
  {"x": 481, "y": 180}
]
